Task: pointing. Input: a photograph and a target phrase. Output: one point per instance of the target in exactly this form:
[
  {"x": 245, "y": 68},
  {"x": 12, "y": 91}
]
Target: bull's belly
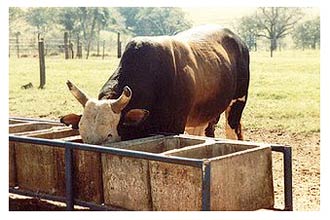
[
  {"x": 203, "y": 113},
  {"x": 199, "y": 130}
]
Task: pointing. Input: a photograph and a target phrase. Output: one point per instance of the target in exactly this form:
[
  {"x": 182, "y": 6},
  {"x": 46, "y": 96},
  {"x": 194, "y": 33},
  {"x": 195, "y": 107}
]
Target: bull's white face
[
  {"x": 98, "y": 124},
  {"x": 100, "y": 119}
]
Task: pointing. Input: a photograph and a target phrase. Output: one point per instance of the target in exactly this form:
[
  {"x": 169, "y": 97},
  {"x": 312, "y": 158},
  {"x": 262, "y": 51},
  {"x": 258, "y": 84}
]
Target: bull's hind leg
[{"x": 233, "y": 119}]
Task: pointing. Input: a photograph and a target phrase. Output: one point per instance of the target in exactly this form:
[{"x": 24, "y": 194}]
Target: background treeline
[{"x": 265, "y": 28}]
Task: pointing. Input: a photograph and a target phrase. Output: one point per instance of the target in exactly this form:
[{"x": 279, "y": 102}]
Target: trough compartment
[
  {"x": 87, "y": 173},
  {"x": 240, "y": 178},
  {"x": 126, "y": 180},
  {"x": 40, "y": 168},
  {"x": 22, "y": 127}
]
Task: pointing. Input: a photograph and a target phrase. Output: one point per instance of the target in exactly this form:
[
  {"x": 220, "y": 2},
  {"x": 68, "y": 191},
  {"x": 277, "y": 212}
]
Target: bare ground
[
  {"x": 305, "y": 166},
  {"x": 306, "y": 172}
]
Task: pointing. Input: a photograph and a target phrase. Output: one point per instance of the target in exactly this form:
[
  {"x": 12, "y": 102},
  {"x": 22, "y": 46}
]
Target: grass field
[{"x": 284, "y": 90}]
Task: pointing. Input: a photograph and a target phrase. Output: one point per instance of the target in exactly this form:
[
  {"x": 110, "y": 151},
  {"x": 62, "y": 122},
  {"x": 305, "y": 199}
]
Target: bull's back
[{"x": 213, "y": 65}]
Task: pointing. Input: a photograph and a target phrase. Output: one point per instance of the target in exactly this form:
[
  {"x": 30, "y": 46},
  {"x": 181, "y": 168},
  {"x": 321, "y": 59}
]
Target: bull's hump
[
  {"x": 200, "y": 31},
  {"x": 149, "y": 40}
]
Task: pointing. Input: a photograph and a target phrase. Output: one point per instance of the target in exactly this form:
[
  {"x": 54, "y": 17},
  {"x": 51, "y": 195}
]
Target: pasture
[
  {"x": 283, "y": 105},
  {"x": 284, "y": 91}
]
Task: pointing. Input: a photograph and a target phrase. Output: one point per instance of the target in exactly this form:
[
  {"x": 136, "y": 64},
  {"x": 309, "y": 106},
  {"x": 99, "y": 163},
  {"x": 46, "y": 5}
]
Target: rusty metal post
[
  {"x": 206, "y": 187},
  {"x": 69, "y": 179}
]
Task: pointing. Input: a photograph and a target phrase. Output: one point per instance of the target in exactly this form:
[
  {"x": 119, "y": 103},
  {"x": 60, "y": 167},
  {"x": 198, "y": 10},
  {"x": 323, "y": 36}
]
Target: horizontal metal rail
[
  {"x": 84, "y": 204},
  {"x": 35, "y": 120},
  {"x": 110, "y": 150}
]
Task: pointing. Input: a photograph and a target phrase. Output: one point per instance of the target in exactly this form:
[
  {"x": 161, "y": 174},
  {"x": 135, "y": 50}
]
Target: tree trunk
[
  {"x": 91, "y": 35},
  {"x": 272, "y": 46},
  {"x": 98, "y": 42}
]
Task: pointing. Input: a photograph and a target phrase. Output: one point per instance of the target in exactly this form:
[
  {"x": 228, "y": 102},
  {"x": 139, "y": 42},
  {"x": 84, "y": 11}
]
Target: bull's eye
[{"x": 109, "y": 135}]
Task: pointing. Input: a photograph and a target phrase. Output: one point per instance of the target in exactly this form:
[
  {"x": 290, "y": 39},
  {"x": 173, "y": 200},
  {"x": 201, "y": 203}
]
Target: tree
[
  {"x": 15, "y": 15},
  {"x": 248, "y": 30},
  {"x": 41, "y": 18},
  {"x": 275, "y": 23},
  {"x": 155, "y": 21},
  {"x": 129, "y": 14},
  {"x": 87, "y": 22},
  {"x": 68, "y": 17},
  {"x": 307, "y": 34}
]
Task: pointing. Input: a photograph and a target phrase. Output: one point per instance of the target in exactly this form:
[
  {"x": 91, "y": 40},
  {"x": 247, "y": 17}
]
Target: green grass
[
  {"x": 284, "y": 90},
  {"x": 55, "y": 99}
]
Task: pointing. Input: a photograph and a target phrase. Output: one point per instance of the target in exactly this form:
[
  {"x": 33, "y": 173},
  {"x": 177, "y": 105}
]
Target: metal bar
[
  {"x": 36, "y": 194},
  {"x": 288, "y": 178},
  {"x": 287, "y": 170},
  {"x": 69, "y": 179},
  {"x": 110, "y": 150},
  {"x": 62, "y": 199},
  {"x": 206, "y": 187},
  {"x": 35, "y": 119}
]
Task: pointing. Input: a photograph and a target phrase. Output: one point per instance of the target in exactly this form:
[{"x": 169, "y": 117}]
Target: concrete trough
[
  {"x": 126, "y": 180},
  {"x": 39, "y": 167},
  {"x": 151, "y": 175},
  {"x": 239, "y": 178},
  {"x": 87, "y": 173},
  {"x": 21, "y": 128}
]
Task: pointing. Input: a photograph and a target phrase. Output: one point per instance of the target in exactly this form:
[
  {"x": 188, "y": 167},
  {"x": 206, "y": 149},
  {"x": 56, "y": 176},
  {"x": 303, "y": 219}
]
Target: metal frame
[
  {"x": 69, "y": 146},
  {"x": 202, "y": 164},
  {"x": 287, "y": 173}
]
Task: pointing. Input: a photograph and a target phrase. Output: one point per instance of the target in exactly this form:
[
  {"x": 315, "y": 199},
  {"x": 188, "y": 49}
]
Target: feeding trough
[
  {"x": 175, "y": 172},
  {"x": 239, "y": 176},
  {"x": 127, "y": 179}
]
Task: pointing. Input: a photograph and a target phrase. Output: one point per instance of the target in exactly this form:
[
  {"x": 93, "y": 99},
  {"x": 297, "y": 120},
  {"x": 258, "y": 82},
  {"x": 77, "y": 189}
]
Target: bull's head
[{"x": 99, "y": 121}]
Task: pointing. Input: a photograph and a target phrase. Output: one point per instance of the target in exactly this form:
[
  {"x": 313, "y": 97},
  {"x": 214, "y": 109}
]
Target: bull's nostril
[{"x": 109, "y": 135}]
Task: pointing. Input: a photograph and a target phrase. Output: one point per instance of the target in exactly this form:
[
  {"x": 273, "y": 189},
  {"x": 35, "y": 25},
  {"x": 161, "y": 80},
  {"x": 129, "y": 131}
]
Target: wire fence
[{"x": 67, "y": 48}]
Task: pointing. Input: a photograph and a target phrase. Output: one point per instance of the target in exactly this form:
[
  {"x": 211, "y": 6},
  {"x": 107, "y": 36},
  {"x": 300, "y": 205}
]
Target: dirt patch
[{"x": 306, "y": 172}]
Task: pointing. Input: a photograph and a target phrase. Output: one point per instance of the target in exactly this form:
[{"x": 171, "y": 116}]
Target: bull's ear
[
  {"x": 71, "y": 119},
  {"x": 135, "y": 116}
]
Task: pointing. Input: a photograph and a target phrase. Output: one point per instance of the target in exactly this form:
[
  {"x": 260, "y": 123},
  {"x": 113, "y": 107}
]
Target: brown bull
[{"x": 170, "y": 84}]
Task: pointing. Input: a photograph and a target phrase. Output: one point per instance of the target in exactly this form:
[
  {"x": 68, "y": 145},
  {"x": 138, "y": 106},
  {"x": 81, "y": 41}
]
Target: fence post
[
  {"x": 79, "y": 48},
  {"x": 66, "y": 48},
  {"x": 17, "y": 43},
  {"x": 71, "y": 52},
  {"x": 118, "y": 45},
  {"x": 42, "y": 63},
  {"x": 98, "y": 48},
  {"x": 103, "y": 50}
]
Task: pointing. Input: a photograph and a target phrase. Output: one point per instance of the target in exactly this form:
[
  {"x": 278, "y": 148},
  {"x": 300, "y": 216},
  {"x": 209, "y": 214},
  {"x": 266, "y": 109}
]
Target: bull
[{"x": 171, "y": 84}]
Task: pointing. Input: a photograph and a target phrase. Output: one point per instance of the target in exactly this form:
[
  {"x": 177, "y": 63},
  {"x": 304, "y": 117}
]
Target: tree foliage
[
  {"x": 307, "y": 34},
  {"x": 86, "y": 22},
  {"x": 41, "y": 18},
  {"x": 248, "y": 31},
  {"x": 155, "y": 21}
]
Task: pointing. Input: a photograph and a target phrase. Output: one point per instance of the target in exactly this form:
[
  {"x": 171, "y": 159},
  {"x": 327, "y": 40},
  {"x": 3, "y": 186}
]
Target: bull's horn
[
  {"x": 77, "y": 93},
  {"x": 119, "y": 104}
]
